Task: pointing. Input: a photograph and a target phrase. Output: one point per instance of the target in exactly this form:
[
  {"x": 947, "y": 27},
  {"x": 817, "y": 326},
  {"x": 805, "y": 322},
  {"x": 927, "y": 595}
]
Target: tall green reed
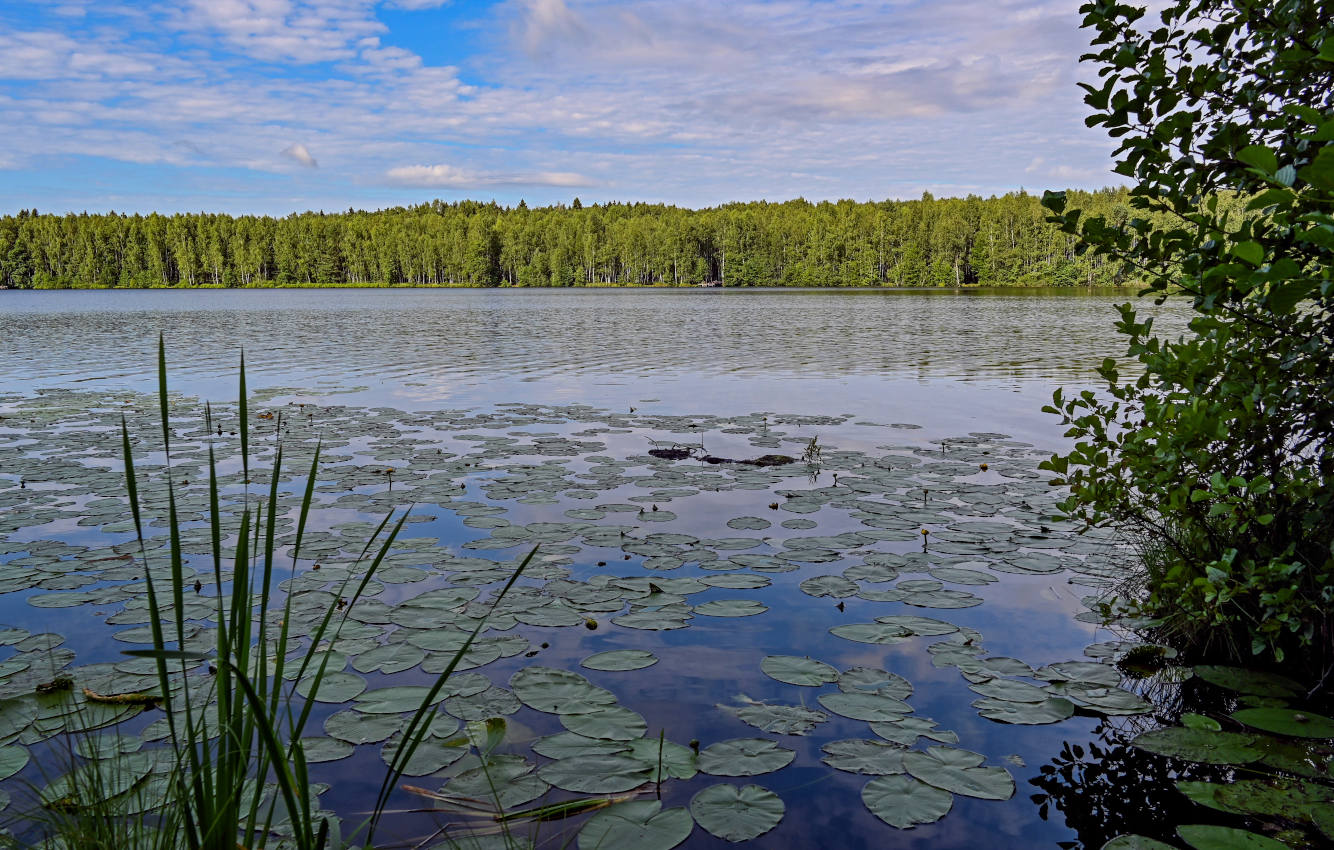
[{"x": 240, "y": 735}]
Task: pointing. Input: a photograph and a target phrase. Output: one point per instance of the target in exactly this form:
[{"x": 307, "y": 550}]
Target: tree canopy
[
  {"x": 1002, "y": 241},
  {"x": 1218, "y": 453}
]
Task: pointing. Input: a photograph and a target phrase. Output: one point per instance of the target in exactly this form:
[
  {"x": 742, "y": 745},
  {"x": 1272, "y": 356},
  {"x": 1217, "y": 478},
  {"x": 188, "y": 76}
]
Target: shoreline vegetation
[{"x": 1002, "y": 241}]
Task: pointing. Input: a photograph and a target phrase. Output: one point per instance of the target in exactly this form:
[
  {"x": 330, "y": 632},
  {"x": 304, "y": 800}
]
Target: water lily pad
[
  {"x": 332, "y": 687},
  {"x": 13, "y": 758},
  {"x": 1052, "y": 710},
  {"x": 609, "y": 774},
  {"x": 864, "y": 706},
  {"x": 357, "y": 728},
  {"x": 960, "y": 771},
  {"x": 325, "y": 749},
  {"x": 904, "y": 802},
  {"x": 736, "y": 581},
  {"x": 731, "y": 608},
  {"x": 782, "y": 719},
  {"x": 639, "y": 824},
  {"x": 1200, "y": 745},
  {"x": 835, "y": 586},
  {"x": 620, "y": 660},
  {"x": 610, "y": 723},
  {"x": 914, "y": 625},
  {"x": 1011, "y": 690},
  {"x": 492, "y": 702},
  {"x": 748, "y": 523},
  {"x": 570, "y": 745},
  {"x": 744, "y": 757},
  {"x": 559, "y": 691},
  {"x": 880, "y": 633},
  {"x": 1244, "y": 681},
  {"x": 677, "y": 761},
  {"x": 393, "y": 700},
  {"x": 874, "y": 681},
  {"x": 1287, "y": 721},
  {"x": 1208, "y": 837},
  {"x": 906, "y": 730},
  {"x": 857, "y": 755},
  {"x": 1135, "y": 842},
  {"x": 795, "y": 670},
  {"x": 737, "y": 814}
]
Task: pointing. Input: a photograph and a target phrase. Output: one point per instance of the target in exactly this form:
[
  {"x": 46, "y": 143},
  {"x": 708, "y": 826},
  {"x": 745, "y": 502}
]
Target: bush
[{"x": 1217, "y": 452}]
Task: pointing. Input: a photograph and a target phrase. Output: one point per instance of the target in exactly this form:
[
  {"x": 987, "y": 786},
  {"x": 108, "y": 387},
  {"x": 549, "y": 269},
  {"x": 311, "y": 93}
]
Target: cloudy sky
[{"x": 275, "y": 106}]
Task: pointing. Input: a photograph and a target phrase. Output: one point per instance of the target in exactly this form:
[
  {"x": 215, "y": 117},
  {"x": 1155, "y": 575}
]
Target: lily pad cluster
[
  {"x": 1284, "y": 760},
  {"x": 631, "y": 544}
]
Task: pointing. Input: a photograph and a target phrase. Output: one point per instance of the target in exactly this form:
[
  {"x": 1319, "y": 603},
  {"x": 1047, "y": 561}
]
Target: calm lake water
[{"x": 521, "y": 418}]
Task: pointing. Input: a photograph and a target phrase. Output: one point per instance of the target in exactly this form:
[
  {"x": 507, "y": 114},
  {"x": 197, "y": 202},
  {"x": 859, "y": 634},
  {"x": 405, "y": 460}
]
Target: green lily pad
[
  {"x": 878, "y": 633},
  {"x": 357, "y": 728},
  {"x": 906, "y": 730},
  {"x": 864, "y": 706},
  {"x": 1052, "y": 710},
  {"x": 559, "y": 691},
  {"x": 1249, "y": 681},
  {"x": 393, "y": 700},
  {"x": 960, "y": 771},
  {"x": 748, "y": 523},
  {"x": 731, "y": 608},
  {"x": 1287, "y": 721},
  {"x": 569, "y": 745},
  {"x": 325, "y": 749},
  {"x": 744, "y": 757},
  {"x": 782, "y": 719},
  {"x": 1207, "y": 837},
  {"x": 795, "y": 670},
  {"x": 639, "y": 824},
  {"x": 737, "y": 814},
  {"x": 1200, "y": 745},
  {"x": 677, "y": 761},
  {"x": 904, "y": 802},
  {"x": 620, "y": 660},
  {"x": 492, "y": 702},
  {"x": 1011, "y": 690},
  {"x": 608, "y": 774},
  {"x": 13, "y": 758},
  {"x": 871, "y": 680},
  {"x": 835, "y": 586},
  {"x": 332, "y": 687},
  {"x": 873, "y": 758},
  {"x": 1136, "y": 842},
  {"x": 610, "y": 723}
]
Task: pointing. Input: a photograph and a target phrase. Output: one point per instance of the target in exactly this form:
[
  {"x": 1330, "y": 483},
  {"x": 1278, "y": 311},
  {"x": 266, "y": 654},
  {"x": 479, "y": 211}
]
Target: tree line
[{"x": 996, "y": 241}]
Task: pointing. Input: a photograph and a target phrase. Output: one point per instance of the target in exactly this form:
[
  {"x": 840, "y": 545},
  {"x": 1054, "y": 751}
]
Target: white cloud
[
  {"x": 690, "y": 101},
  {"x": 298, "y": 153},
  {"x": 451, "y": 177}
]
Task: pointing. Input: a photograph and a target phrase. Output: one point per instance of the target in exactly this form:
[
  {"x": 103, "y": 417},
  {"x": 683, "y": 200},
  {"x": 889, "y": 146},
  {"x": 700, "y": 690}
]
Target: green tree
[{"x": 1218, "y": 452}]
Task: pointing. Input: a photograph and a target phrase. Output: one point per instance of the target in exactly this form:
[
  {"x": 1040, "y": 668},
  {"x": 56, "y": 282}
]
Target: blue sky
[{"x": 276, "y": 106}]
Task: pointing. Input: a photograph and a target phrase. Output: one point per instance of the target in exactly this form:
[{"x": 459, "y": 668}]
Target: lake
[{"x": 889, "y": 612}]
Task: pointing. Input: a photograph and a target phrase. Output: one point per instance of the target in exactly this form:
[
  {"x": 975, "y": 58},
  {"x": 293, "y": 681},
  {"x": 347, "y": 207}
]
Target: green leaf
[
  {"x": 1249, "y": 252},
  {"x": 959, "y": 771},
  {"x": 737, "y": 814},
  {"x": 904, "y": 802},
  {"x": 636, "y": 824},
  {"x": 796, "y": 670},
  {"x": 1287, "y": 721},
  {"x": 1320, "y": 172},
  {"x": 1205, "y": 837},
  {"x": 1200, "y": 745},
  {"x": 1259, "y": 157},
  {"x": 744, "y": 757}
]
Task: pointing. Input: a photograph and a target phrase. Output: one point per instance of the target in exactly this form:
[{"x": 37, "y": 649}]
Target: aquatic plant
[
  {"x": 235, "y": 768},
  {"x": 1218, "y": 453}
]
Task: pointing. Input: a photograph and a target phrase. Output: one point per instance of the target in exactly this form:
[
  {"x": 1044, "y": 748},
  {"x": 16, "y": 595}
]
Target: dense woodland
[{"x": 1002, "y": 241}]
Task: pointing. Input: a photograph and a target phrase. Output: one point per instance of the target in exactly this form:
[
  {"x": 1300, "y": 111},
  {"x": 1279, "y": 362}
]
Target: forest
[{"x": 972, "y": 241}]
